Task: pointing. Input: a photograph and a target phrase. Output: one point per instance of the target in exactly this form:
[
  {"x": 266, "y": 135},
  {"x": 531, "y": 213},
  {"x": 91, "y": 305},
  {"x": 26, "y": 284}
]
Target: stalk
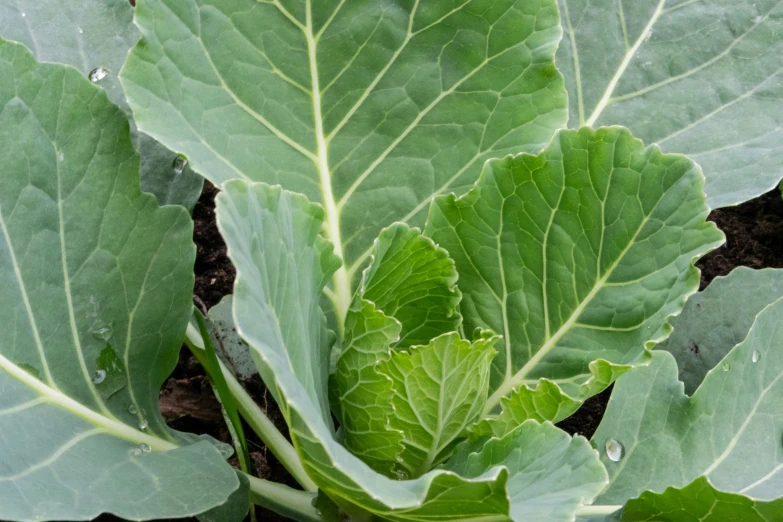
[
  {"x": 289, "y": 502},
  {"x": 256, "y": 418}
]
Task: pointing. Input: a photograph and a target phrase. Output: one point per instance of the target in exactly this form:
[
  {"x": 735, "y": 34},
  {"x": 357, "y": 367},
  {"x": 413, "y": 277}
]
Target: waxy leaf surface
[
  {"x": 698, "y": 77},
  {"x": 577, "y": 256},
  {"x": 717, "y": 319},
  {"x": 370, "y": 108},
  {"x": 95, "y": 295},
  {"x": 282, "y": 265},
  {"x": 88, "y": 35},
  {"x": 729, "y": 430}
]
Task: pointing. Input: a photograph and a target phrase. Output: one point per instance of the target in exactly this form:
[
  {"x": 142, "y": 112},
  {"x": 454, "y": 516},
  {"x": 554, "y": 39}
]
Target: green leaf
[
  {"x": 702, "y": 78},
  {"x": 439, "y": 390},
  {"x": 414, "y": 281},
  {"x": 282, "y": 263},
  {"x": 700, "y": 501},
  {"x": 370, "y": 108},
  {"x": 360, "y": 394},
  {"x": 550, "y": 473},
  {"x": 88, "y": 35},
  {"x": 230, "y": 348},
  {"x": 728, "y": 431},
  {"x": 95, "y": 279},
  {"x": 577, "y": 256},
  {"x": 717, "y": 319}
]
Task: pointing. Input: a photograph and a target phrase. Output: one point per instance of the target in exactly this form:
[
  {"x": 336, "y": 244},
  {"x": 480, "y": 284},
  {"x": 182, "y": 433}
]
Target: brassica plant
[{"x": 444, "y": 245}]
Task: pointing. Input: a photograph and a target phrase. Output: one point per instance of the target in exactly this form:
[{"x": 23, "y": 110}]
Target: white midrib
[
  {"x": 62, "y": 401},
  {"x": 342, "y": 281},
  {"x": 630, "y": 53}
]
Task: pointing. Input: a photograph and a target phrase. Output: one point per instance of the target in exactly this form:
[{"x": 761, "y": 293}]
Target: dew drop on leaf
[
  {"x": 180, "y": 163},
  {"x": 726, "y": 366},
  {"x": 103, "y": 333},
  {"x": 80, "y": 30},
  {"x": 614, "y": 450},
  {"x": 143, "y": 424},
  {"x": 100, "y": 376},
  {"x": 98, "y": 74},
  {"x": 132, "y": 409},
  {"x": 755, "y": 356},
  {"x": 401, "y": 475},
  {"x": 145, "y": 448}
]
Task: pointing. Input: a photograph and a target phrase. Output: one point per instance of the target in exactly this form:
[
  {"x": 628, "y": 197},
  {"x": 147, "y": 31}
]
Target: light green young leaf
[
  {"x": 577, "y": 255},
  {"x": 282, "y": 264},
  {"x": 550, "y": 473},
  {"x": 360, "y": 394},
  {"x": 439, "y": 390},
  {"x": 717, "y": 319},
  {"x": 698, "y": 77},
  {"x": 88, "y": 35},
  {"x": 370, "y": 108},
  {"x": 547, "y": 401},
  {"x": 700, "y": 501},
  {"x": 414, "y": 281},
  {"x": 729, "y": 430},
  {"x": 88, "y": 263},
  {"x": 407, "y": 297}
]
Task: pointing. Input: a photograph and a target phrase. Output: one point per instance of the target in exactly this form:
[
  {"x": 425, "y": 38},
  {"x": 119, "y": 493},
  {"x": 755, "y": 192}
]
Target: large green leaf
[
  {"x": 698, "y": 77},
  {"x": 89, "y": 35},
  {"x": 371, "y": 108},
  {"x": 95, "y": 290},
  {"x": 717, "y": 319},
  {"x": 729, "y": 430},
  {"x": 577, "y": 256},
  {"x": 282, "y": 263}
]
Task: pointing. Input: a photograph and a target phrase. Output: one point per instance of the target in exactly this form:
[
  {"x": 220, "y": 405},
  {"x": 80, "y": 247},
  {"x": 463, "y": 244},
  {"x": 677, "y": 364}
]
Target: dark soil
[{"x": 754, "y": 238}]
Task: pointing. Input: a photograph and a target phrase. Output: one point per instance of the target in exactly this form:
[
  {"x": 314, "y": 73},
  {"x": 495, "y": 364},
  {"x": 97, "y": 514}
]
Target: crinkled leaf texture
[
  {"x": 371, "y": 108},
  {"x": 95, "y": 290},
  {"x": 729, "y": 430},
  {"x": 578, "y": 257},
  {"x": 90, "y": 34},
  {"x": 282, "y": 265},
  {"x": 717, "y": 319},
  {"x": 406, "y": 386},
  {"x": 698, "y": 77}
]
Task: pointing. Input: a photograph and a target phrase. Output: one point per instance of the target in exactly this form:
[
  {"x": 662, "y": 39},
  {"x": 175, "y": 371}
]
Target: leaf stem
[
  {"x": 289, "y": 502},
  {"x": 256, "y": 418}
]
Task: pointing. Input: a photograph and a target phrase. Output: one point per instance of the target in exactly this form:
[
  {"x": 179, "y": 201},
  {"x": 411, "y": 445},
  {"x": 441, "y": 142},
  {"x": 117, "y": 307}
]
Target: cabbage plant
[{"x": 432, "y": 268}]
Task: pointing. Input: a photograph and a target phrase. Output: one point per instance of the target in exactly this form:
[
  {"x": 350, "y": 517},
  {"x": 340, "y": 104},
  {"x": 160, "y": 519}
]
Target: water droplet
[
  {"x": 80, "y": 30},
  {"x": 726, "y": 366},
  {"x": 614, "y": 450},
  {"x": 132, "y": 409},
  {"x": 401, "y": 475},
  {"x": 141, "y": 449},
  {"x": 755, "y": 356},
  {"x": 61, "y": 156},
  {"x": 180, "y": 163},
  {"x": 98, "y": 74},
  {"x": 24, "y": 15},
  {"x": 100, "y": 376},
  {"x": 757, "y": 20},
  {"x": 143, "y": 424},
  {"x": 648, "y": 35},
  {"x": 103, "y": 333}
]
